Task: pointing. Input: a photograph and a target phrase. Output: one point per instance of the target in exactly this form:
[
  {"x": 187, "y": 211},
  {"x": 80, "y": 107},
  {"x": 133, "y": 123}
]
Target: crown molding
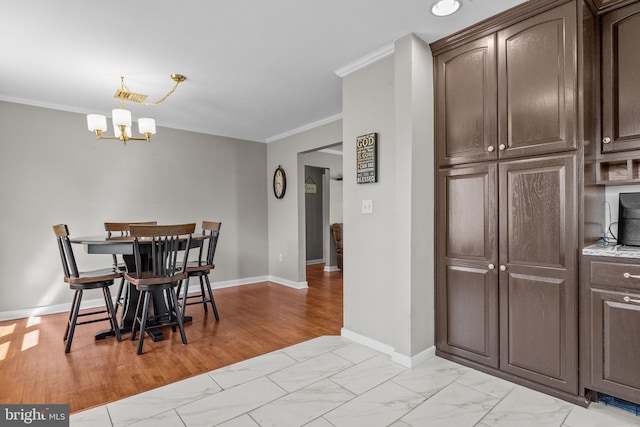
[
  {"x": 383, "y": 52},
  {"x": 301, "y": 129}
]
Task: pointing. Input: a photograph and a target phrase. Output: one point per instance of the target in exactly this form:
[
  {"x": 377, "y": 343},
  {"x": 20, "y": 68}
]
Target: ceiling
[{"x": 256, "y": 69}]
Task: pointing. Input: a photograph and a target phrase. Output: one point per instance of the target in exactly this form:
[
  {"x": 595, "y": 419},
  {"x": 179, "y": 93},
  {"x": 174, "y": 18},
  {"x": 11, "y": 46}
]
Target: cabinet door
[
  {"x": 466, "y": 283},
  {"x": 615, "y": 346},
  {"x": 537, "y": 84},
  {"x": 466, "y": 105},
  {"x": 620, "y": 82},
  {"x": 538, "y": 250}
]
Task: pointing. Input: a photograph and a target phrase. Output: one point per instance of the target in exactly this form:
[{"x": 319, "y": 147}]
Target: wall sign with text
[{"x": 367, "y": 158}]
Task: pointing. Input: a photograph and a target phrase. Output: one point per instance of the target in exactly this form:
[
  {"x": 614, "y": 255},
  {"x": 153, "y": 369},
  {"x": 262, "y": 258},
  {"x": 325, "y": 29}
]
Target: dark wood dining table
[{"x": 123, "y": 245}]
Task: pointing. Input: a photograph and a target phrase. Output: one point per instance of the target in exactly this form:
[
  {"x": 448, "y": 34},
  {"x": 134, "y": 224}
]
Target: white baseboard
[
  {"x": 401, "y": 359},
  {"x": 99, "y": 302},
  {"x": 331, "y": 268},
  {"x": 289, "y": 283},
  {"x": 315, "y": 261}
]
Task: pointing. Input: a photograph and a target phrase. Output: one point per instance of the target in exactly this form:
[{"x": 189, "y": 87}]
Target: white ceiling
[{"x": 255, "y": 69}]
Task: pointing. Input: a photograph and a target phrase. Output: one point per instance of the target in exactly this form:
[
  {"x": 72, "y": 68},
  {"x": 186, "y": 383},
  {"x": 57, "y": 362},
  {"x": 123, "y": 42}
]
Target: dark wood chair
[
  {"x": 159, "y": 246},
  {"x": 121, "y": 229},
  {"x": 201, "y": 269},
  {"x": 82, "y": 281}
]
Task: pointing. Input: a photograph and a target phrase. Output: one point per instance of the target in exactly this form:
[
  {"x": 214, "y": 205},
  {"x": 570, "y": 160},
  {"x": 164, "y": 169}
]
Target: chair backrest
[
  {"x": 69, "y": 265},
  {"x": 123, "y": 227},
  {"x": 211, "y": 231},
  {"x": 166, "y": 242}
]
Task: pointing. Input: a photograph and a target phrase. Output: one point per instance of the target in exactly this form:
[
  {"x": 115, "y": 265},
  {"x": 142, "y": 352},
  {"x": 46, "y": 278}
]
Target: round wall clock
[{"x": 279, "y": 182}]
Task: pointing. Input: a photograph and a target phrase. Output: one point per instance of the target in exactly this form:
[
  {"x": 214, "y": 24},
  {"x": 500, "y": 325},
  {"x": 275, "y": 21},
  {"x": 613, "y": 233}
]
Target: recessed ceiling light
[{"x": 445, "y": 7}]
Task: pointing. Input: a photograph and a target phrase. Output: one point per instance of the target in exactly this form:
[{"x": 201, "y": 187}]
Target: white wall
[
  {"x": 52, "y": 170},
  {"x": 388, "y": 278}
]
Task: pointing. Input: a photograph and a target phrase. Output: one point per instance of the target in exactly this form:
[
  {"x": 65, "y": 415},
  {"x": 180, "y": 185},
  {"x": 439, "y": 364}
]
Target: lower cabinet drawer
[
  {"x": 615, "y": 274},
  {"x": 615, "y": 346}
]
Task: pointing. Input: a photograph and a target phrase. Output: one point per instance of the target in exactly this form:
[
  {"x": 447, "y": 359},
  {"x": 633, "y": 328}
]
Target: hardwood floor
[{"x": 254, "y": 319}]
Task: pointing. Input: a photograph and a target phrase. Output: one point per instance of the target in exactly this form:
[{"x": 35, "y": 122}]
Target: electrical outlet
[
  {"x": 367, "y": 206},
  {"x": 280, "y": 257}
]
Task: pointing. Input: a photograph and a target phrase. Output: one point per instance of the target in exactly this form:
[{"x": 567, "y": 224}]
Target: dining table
[{"x": 123, "y": 245}]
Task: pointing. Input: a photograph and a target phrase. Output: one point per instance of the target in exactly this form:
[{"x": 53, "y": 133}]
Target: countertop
[{"x": 612, "y": 250}]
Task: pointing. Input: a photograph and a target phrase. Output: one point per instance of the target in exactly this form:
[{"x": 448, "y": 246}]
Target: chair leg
[
  {"x": 73, "y": 319},
  {"x": 184, "y": 297},
  {"x": 173, "y": 311},
  {"x": 136, "y": 316},
  {"x": 203, "y": 295},
  {"x": 213, "y": 301},
  {"x": 178, "y": 317},
  {"x": 73, "y": 304},
  {"x": 143, "y": 325},
  {"x": 112, "y": 313},
  {"x": 119, "y": 295}
]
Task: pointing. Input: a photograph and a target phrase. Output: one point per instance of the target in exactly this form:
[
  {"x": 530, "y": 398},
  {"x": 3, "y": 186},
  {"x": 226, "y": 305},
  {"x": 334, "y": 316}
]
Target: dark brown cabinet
[
  {"x": 537, "y": 84},
  {"x": 612, "y": 298},
  {"x": 538, "y": 271},
  {"x": 509, "y": 94},
  {"x": 506, "y": 280},
  {"x": 466, "y": 104},
  {"x": 620, "y": 82},
  {"x": 467, "y": 284}
]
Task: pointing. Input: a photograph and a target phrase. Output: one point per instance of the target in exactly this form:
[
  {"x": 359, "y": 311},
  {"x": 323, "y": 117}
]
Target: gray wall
[
  {"x": 52, "y": 170},
  {"x": 286, "y": 230},
  {"x": 388, "y": 278}
]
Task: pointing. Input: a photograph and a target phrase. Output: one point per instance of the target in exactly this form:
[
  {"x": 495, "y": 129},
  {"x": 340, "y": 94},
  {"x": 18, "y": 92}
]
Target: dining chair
[
  {"x": 201, "y": 269},
  {"x": 121, "y": 229},
  {"x": 162, "y": 245},
  {"x": 82, "y": 281}
]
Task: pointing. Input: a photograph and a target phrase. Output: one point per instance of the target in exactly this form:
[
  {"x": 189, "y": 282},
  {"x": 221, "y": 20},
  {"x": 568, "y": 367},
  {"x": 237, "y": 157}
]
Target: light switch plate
[{"x": 367, "y": 206}]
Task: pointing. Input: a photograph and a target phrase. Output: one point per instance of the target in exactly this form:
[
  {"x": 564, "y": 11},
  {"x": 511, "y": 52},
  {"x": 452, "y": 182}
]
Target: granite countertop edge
[{"x": 612, "y": 250}]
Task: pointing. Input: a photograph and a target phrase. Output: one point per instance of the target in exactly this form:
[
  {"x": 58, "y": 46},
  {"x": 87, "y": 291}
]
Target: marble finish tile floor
[{"x": 332, "y": 381}]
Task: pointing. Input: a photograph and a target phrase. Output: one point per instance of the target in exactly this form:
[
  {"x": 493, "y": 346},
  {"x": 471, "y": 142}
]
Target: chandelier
[{"x": 121, "y": 118}]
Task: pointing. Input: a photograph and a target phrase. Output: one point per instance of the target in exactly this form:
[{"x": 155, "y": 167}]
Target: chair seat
[
  {"x": 147, "y": 279},
  {"x": 94, "y": 276},
  {"x": 196, "y": 267}
]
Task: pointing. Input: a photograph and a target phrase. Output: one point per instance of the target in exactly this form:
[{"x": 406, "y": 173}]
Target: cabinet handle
[
  {"x": 631, "y": 276},
  {"x": 490, "y": 148},
  {"x": 491, "y": 266},
  {"x": 627, "y": 299},
  {"x": 503, "y": 268},
  {"x": 502, "y": 147},
  {"x": 606, "y": 140}
]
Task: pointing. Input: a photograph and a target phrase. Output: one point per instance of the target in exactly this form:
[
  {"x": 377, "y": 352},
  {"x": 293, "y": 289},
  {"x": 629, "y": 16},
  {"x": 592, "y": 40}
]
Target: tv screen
[{"x": 629, "y": 219}]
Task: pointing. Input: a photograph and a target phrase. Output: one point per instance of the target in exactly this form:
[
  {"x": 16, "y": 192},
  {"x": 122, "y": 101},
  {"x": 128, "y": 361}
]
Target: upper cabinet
[
  {"x": 466, "y": 103},
  {"x": 510, "y": 94},
  {"x": 620, "y": 82},
  {"x": 537, "y": 84}
]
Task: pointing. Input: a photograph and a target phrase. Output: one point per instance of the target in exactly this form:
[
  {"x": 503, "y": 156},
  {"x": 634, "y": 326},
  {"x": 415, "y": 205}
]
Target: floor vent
[{"x": 619, "y": 403}]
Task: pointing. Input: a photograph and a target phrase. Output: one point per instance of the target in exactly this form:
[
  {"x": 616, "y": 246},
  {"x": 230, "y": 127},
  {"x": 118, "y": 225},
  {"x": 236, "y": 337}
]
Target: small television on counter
[{"x": 629, "y": 219}]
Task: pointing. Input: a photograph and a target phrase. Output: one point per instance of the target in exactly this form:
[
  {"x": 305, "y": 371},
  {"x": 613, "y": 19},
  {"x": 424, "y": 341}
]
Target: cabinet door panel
[
  {"x": 466, "y": 106},
  {"x": 466, "y": 279},
  {"x": 537, "y": 83},
  {"x": 469, "y": 313},
  {"x": 616, "y": 344},
  {"x": 620, "y": 83},
  {"x": 538, "y": 250}
]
